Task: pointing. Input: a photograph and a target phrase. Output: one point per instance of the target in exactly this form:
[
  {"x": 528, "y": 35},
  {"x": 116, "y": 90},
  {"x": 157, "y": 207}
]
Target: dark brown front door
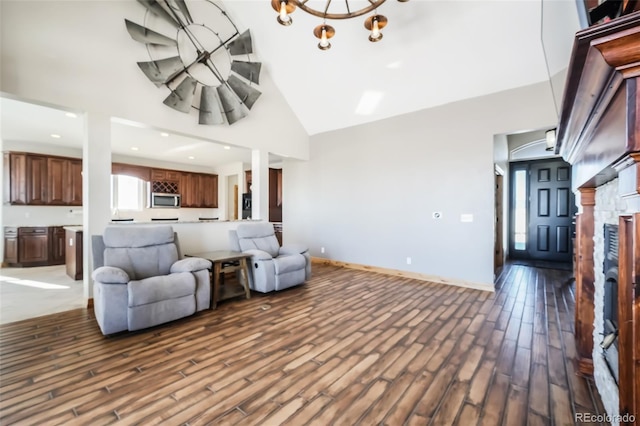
[{"x": 549, "y": 211}]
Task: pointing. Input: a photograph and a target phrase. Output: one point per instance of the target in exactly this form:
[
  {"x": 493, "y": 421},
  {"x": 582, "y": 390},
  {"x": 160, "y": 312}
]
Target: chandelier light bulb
[
  {"x": 375, "y": 24},
  {"x": 283, "y": 17},
  {"x": 324, "y": 32},
  {"x": 375, "y": 31}
]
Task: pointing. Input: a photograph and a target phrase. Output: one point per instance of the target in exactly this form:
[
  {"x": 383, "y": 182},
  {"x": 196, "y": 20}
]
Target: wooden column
[
  {"x": 585, "y": 289},
  {"x": 629, "y": 315}
]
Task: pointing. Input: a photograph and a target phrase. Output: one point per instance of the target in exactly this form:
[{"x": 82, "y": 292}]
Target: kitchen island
[{"x": 73, "y": 252}]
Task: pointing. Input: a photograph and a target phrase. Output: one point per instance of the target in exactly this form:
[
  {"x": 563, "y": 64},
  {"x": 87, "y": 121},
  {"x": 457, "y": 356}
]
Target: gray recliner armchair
[
  {"x": 139, "y": 280},
  {"x": 272, "y": 267}
]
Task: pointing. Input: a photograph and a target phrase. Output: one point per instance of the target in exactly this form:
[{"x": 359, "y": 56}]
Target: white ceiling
[
  {"x": 433, "y": 52},
  {"x": 28, "y": 122}
]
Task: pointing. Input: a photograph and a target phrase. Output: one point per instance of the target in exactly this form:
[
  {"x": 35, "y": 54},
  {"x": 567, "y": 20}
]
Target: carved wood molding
[
  {"x": 621, "y": 51},
  {"x": 628, "y": 170},
  {"x": 592, "y": 82}
]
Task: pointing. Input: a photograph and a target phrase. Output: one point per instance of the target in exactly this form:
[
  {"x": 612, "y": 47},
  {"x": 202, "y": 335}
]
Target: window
[
  {"x": 127, "y": 192},
  {"x": 520, "y": 207}
]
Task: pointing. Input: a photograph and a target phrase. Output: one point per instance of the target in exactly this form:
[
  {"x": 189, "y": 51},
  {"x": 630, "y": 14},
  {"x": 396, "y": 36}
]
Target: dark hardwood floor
[{"x": 349, "y": 347}]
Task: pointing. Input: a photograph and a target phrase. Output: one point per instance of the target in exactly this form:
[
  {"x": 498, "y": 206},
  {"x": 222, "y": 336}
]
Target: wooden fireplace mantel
[{"x": 599, "y": 134}]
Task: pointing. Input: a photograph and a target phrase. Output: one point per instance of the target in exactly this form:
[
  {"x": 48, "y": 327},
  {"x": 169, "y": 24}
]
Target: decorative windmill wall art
[{"x": 198, "y": 53}]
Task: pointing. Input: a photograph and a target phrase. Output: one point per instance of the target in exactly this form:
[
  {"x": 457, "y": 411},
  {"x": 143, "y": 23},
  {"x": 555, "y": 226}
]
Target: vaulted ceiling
[{"x": 433, "y": 52}]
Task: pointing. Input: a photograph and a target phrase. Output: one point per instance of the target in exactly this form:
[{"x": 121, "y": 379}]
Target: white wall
[{"x": 368, "y": 192}]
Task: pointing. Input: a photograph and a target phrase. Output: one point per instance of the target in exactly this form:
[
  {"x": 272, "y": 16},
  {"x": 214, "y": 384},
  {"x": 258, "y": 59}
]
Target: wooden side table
[{"x": 227, "y": 261}]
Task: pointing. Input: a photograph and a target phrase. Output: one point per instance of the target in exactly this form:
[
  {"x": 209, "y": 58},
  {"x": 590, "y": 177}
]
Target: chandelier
[{"x": 374, "y": 23}]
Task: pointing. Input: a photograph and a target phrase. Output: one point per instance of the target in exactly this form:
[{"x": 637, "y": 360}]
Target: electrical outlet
[
  {"x": 408, "y": 261},
  {"x": 321, "y": 249}
]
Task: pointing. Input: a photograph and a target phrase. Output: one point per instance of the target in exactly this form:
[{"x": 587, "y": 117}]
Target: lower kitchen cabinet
[
  {"x": 73, "y": 255},
  {"x": 34, "y": 245},
  {"x": 56, "y": 245}
]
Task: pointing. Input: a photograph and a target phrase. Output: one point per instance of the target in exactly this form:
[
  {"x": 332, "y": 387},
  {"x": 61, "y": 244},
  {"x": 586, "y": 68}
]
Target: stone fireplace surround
[{"x": 607, "y": 210}]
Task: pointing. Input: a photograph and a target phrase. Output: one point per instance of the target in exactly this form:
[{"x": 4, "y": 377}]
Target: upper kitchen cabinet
[
  {"x": 209, "y": 189},
  {"x": 37, "y": 180},
  {"x": 199, "y": 190},
  {"x": 15, "y": 178},
  {"x": 64, "y": 181},
  {"x": 40, "y": 180}
]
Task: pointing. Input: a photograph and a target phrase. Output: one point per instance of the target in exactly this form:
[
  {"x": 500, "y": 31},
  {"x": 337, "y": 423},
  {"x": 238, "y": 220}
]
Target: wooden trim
[
  {"x": 620, "y": 51},
  {"x": 629, "y": 315},
  {"x": 406, "y": 274},
  {"x": 592, "y": 83},
  {"x": 585, "y": 282}
]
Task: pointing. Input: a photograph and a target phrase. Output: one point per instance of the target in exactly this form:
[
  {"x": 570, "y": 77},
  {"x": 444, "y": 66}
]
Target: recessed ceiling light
[
  {"x": 227, "y": 147},
  {"x": 71, "y": 115},
  {"x": 164, "y": 134},
  {"x": 191, "y": 157},
  {"x": 55, "y": 136},
  {"x": 134, "y": 148}
]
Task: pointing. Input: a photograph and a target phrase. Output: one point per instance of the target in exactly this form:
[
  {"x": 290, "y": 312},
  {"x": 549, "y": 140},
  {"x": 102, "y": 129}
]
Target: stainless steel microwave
[{"x": 167, "y": 201}]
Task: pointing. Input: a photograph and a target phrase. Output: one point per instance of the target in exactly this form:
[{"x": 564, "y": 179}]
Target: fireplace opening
[{"x": 610, "y": 268}]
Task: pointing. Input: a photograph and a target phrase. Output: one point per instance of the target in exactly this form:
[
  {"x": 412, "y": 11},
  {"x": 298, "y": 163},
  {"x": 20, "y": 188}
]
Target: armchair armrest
[
  {"x": 293, "y": 249},
  {"x": 258, "y": 255},
  {"x": 190, "y": 264},
  {"x": 110, "y": 275}
]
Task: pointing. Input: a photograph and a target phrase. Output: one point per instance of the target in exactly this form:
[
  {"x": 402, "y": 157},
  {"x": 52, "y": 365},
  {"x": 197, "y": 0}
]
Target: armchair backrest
[
  {"x": 142, "y": 251},
  {"x": 260, "y": 236}
]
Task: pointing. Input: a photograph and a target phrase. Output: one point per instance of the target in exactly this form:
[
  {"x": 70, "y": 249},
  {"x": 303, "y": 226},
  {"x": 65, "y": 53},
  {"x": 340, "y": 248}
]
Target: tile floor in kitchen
[{"x": 33, "y": 292}]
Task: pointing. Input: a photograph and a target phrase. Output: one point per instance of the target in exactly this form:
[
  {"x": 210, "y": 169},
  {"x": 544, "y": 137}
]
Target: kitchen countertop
[
  {"x": 159, "y": 222},
  {"x": 75, "y": 228}
]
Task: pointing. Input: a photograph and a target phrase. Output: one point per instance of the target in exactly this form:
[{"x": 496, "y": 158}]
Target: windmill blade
[
  {"x": 241, "y": 45},
  {"x": 231, "y": 105},
  {"x": 154, "y": 7},
  {"x": 249, "y": 70},
  {"x": 210, "y": 112},
  {"x": 145, "y": 35},
  {"x": 182, "y": 98},
  {"x": 162, "y": 70},
  {"x": 247, "y": 94},
  {"x": 185, "y": 10}
]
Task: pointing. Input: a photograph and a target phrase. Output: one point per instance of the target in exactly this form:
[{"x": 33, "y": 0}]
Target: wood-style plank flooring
[{"x": 349, "y": 347}]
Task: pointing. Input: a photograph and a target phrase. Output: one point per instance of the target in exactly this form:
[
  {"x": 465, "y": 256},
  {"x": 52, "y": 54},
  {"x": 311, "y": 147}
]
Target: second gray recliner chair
[{"x": 272, "y": 267}]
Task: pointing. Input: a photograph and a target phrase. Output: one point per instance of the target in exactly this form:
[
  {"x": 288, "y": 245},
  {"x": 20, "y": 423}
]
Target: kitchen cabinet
[
  {"x": 73, "y": 182},
  {"x": 10, "y": 245},
  {"x": 15, "y": 178},
  {"x": 199, "y": 190},
  {"x": 64, "y": 181},
  {"x": 165, "y": 175},
  {"x": 209, "y": 189},
  {"x": 189, "y": 190},
  {"x": 56, "y": 245},
  {"x": 140, "y": 172},
  {"x": 36, "y": 179},
  {"x": 34, "y": 245},
  {"x": 73, "y": 252}
]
